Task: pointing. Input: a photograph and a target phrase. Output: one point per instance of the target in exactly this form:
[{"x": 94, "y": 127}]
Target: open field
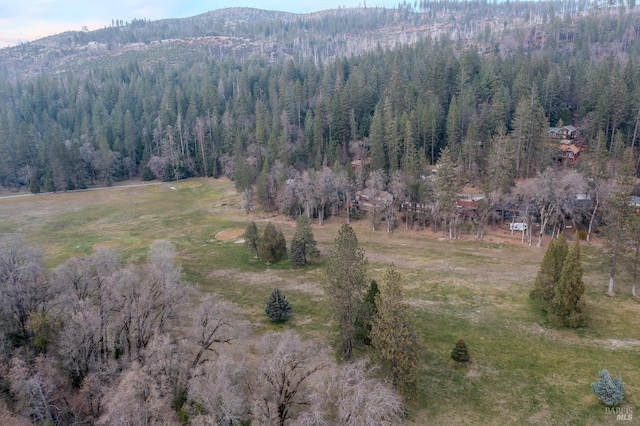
[{"x": 524, "y": 370}]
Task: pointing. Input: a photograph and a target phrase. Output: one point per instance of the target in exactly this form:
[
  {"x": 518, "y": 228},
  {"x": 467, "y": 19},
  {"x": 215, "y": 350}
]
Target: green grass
[{"x": 523, "y": 371}]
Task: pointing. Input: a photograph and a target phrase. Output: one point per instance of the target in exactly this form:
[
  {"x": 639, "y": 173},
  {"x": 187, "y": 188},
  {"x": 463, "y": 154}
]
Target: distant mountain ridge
[{"x": 239, "y": 32}]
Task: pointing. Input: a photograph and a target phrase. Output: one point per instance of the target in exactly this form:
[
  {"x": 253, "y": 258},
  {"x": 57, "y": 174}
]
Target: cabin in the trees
[
  {"x": 568, "y": 132},
  {"x": 467, "y": 208},
  {"x": 569, "y": 154},
  {"x": 564, "y": 133},
  {"x": 563, "y": 139},
  {"x": 370, "y": 199},
  {"x": 555, "y": 133},
  {"x": 357, "y": 165}
]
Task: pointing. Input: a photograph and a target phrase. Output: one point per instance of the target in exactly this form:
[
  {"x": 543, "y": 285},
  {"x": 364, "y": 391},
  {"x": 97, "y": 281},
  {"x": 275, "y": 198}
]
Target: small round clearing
[{"x": 229, "y": 234}]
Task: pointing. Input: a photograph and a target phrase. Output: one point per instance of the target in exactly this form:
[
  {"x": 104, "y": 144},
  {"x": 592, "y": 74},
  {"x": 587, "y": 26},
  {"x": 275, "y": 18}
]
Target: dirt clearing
[{"x": 229, "y": 234}]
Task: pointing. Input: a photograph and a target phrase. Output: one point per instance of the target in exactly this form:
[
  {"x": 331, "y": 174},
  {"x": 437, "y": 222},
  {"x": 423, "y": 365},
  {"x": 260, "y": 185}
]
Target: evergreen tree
[
  {"x": 278, "y": 308},
  {"x": 447, "y": 186},
  {"x": 296, "y": 253},
  {"x": 345, "y": 285},
  {"x": 528, "y": 125},
  {"x": 550, "y": 271},
  {"x": 618, "y": 214},
  {"x": 391, "y": 137},
  {"x": 34, "y": 187},
  {"x": 567, "y": 308},
  {"x": 499, "y": 172},
  {"x": 392, "y": 332},
  {"x": 460, "y": 353},
  {"x": 280, "y": 247},
  {"x": 251, "y": 238},
  {"x": 377, "y": 151},
  {"x": 367, "y": 312},
  {"x": 303, "y": 245},
  {"x": 272, "y": 246},
  {"x": 262, "y": 188},
  {"x": 242, "y": 173},
  {"x": 609, "y": 390},
  {"x": 454, "y": 133}
]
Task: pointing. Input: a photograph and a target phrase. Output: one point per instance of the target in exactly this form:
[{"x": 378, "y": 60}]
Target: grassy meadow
[{"x": 523, "y": 369}]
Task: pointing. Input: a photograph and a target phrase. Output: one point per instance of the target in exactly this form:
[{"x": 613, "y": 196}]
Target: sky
[{"x": 23, "y": 21}]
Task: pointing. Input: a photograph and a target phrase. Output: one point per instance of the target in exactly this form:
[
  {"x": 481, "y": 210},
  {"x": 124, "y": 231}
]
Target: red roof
[{"x": 464, "y": 204}]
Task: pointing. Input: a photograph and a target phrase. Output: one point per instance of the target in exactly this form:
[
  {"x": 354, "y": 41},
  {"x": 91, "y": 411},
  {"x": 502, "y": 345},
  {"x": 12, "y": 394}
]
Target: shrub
[
  {"x": 460, "y": 352},
  {"x": 278, "y": 308},
  {"x": 608, "y": 389}
]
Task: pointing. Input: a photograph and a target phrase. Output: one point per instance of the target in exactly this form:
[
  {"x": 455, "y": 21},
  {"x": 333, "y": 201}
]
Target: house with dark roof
[
  {"x": 555, "y": 132},
  {"x": 564, "y": 133}
]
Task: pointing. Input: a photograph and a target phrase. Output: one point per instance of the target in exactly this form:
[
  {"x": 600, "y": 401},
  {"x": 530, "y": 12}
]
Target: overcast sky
[{"x": 22, "y": 21}]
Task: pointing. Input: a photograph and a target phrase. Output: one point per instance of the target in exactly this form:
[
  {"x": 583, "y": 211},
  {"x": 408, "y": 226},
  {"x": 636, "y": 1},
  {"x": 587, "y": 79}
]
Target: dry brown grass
[{"x": 229, "y": 234}]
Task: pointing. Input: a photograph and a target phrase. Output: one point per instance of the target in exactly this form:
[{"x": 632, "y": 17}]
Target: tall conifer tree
[
  {"x": 618, "y": 217},
  {"x": 251, "y": 238},
  {"x": 567, "y": 307},
  {"x": 272, "y": 245},
  {"x": 392, "y": 333},
  {"x": 550, "y": 272},
  {"x": 345, "y": 285},
  {"x": 367, "y": 312},
  {"x": 303, "y": 244}
]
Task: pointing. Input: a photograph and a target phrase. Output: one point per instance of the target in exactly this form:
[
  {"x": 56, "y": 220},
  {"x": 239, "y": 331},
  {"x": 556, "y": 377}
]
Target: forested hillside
[{"x": 201, "y": 96}]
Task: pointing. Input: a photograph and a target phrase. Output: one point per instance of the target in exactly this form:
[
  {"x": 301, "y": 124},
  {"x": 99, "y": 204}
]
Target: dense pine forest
[{"x": 495, "y": 76}]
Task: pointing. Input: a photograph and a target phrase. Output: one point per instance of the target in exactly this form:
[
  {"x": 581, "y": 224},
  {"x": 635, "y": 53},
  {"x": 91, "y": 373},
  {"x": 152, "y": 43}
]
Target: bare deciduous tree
[
  {"x": 137, "y": 400},
  {"x": 79, "y": 340},
  {"x": 144, "y": 299},
  {"x": 9, "y": 418},
  {"x": 39, "y": 392},
  {"x": 81, "y": 282},
  {"x": 285, "y": 365},
  {"x": 324, "y": 191},
  {"x": 23, "y": 287},
  {"x": 215, "y": 324},
  {"x": 550, "y": 192},
  {"x": 349, "y": 396},
  {"x": 288, "y": 198},
  {"x": 222, "y": 387}
]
